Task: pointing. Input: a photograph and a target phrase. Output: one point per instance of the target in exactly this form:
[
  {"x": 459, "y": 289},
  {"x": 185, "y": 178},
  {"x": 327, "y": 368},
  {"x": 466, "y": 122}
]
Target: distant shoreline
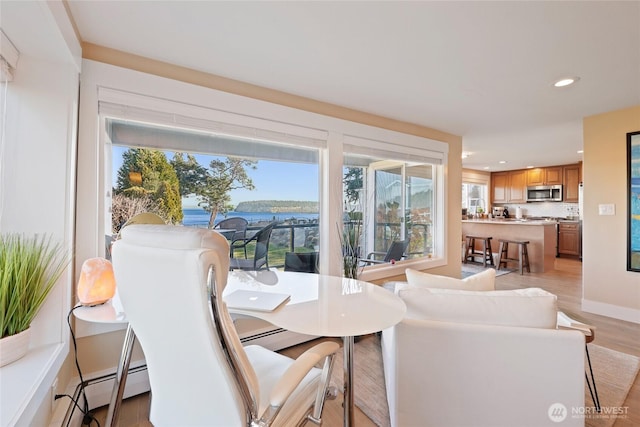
[{"x": 199, "y": 217}]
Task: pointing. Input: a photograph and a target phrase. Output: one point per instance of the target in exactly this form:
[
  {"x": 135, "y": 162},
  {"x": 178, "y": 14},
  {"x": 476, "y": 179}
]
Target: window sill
[
  {"x": 383, "y": 271},
  {"x": 27, "y": 381}
]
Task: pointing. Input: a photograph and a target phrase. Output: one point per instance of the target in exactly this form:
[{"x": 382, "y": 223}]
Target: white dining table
[
  {"x": 319, "y": 305},
  {"x": 324, "y": 305}
]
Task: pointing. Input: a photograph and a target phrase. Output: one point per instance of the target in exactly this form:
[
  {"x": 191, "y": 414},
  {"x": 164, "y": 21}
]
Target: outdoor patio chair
[
  {"x": 260, "y": 257},
  {"x": 303, "y": 262},
  {"x": 240, "y": 226},
  {"x": 394, "y": 253}
]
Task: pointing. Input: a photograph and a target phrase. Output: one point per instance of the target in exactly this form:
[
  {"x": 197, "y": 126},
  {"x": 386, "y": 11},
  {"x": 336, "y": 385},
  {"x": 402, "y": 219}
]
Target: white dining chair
[{"x": 170, "y": 280}]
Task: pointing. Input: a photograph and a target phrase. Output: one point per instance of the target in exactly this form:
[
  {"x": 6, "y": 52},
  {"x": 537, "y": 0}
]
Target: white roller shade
[
  {"x": 385, "y": 151},
  {"x": 133, "y": 134}
]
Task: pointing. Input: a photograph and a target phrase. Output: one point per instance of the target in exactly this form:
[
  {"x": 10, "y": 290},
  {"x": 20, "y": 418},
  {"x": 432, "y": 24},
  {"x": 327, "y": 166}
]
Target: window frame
[
  {"x": 107, "y": 83},
  {"x": 474, "y": 177}
]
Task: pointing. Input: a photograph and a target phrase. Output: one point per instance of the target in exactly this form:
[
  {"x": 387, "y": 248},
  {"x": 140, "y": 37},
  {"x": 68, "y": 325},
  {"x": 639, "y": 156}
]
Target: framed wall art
[{"x": 633, "y": 214}]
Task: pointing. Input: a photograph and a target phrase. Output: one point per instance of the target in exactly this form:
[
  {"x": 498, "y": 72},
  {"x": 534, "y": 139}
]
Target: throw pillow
[
  {"x": 483, "y": 281},
  {"x": 531, "y": 307}
]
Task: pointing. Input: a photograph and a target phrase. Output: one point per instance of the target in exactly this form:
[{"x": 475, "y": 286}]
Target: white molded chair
[{"x": 170, "y": 280}]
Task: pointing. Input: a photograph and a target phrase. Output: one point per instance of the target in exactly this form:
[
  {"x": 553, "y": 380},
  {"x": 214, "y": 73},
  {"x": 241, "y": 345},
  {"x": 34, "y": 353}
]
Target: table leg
[
  {"x": 348, "y": 381},
  {"x": 121, "y": 378}
]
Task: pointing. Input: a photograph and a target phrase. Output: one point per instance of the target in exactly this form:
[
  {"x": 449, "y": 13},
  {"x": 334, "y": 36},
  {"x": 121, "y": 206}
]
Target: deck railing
[
  {"x": 288, "y": 238},
  {"x": 305, "y": 238}
]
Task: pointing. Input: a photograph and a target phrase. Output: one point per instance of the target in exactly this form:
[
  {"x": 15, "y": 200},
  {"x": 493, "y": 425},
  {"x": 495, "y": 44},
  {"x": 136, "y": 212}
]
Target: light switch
[{"x": 607, "y": 209}]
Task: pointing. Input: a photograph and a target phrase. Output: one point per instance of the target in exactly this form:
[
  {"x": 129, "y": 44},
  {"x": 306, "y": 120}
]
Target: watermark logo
[
  {"x": 557, "y": 412},
  {"x": 604, "y": 412}
]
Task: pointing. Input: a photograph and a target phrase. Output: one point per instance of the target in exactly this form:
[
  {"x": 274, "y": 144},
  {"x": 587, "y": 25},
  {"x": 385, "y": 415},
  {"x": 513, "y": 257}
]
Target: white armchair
[
  {"x": 170, "y": 281},
  {"x": 481, "y": 358}
]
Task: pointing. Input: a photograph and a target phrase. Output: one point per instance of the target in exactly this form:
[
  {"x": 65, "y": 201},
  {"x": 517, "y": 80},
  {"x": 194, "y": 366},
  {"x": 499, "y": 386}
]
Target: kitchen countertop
[
  {"x": 509, "y": 221},
  {"x": 523, "y": 221}
]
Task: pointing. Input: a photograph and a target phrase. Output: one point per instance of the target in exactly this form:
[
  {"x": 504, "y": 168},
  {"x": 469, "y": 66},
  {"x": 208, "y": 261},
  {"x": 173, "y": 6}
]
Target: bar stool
[
  {"x": 523, "y": 254},
  {"x": 471, "y": 252}
]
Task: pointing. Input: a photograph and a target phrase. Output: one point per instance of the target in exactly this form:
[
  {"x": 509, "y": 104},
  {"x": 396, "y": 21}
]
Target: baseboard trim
[
  {"x": 98, "y": 390},
  {"x": 615, "y": 311}
]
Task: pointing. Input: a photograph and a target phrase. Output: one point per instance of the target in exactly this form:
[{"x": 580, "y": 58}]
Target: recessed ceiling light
[
  {"x": 566, "y": 81},
  {"x": 502, "y": 162},
  {"x": 486, "y": 167},
  {"x": 530, "y": 167},
  {"x": 580, "y": 151},
  {"x": 465, "y": 154}
]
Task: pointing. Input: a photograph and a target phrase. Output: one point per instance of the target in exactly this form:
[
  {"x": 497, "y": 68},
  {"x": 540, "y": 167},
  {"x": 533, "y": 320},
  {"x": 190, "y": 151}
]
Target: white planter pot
[{"x": 14, "y": 347}]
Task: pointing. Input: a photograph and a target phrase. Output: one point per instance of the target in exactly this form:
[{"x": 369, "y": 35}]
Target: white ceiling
[{"x": 483, "y": 70}]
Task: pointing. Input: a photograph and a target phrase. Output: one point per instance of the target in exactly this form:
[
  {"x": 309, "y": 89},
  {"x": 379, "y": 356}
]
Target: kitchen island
[{"x": 540, "y": 234}]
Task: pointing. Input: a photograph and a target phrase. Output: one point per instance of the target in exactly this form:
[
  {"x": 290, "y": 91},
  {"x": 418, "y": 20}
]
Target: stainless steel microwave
[{"x": 544, "y": 193}]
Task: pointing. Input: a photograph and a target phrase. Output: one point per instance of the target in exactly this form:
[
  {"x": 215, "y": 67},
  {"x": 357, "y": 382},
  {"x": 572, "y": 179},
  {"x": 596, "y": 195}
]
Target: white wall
[
  {"x": 37, "y": 186},
  {"x": 608, "y": 288}
]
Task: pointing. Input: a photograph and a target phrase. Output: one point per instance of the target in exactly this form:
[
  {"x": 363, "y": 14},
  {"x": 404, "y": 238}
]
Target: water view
[{"x": 195, "y": 217}]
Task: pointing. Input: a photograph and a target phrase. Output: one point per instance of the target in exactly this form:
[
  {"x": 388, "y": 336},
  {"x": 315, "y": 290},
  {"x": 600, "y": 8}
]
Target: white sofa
[{"x": 481, "y": 358}]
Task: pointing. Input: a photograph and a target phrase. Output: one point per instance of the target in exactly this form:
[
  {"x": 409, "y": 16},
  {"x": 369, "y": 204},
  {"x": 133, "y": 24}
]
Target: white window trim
[{"x": 135, "y": 106}]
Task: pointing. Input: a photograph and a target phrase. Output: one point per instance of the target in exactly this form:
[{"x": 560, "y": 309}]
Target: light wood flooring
[{"x": 565, "y": 281}]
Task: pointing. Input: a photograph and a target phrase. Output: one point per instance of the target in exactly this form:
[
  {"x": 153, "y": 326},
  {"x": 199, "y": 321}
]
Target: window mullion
[{"x": 331, "y": 161}]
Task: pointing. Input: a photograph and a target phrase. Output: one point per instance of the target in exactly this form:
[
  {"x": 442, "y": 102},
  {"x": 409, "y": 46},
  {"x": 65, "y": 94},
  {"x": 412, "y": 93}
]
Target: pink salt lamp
[{"x": 97, "y": 283}]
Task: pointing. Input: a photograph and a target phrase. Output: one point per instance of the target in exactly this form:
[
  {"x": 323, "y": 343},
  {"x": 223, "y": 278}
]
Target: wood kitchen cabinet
[
  {"x": 535, "y": 176},
  {"x": 509, "y": 187},
  {"x": 569, "y": 238},
  {"x": 545, "y": 176},
  {"x": 572, "y": 178},
  {"x": 500, "y": 187},
  {"x": 518, "y": 186}
]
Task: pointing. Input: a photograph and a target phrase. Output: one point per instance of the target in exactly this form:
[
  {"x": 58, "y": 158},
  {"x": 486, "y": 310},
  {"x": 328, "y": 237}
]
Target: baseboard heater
[
  {"x": 251, "y": 331},
  {"x": 276, "y": 339},
  {"x": 259, "y": 332},
  {"x": 98, "y": 391}
]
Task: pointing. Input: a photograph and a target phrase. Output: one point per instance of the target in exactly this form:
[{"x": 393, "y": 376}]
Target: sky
[{"x": 272, "y": 180}]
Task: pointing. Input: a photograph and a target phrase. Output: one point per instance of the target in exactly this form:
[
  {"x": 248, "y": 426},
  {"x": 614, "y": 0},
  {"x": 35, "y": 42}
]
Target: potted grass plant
[
  {"x": 350, "y": 241},
  {"x": 29, "y": 269}
]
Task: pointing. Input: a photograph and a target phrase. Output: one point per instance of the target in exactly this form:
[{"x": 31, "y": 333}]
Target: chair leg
[
  {"x": 489, "y": 253},
  {"x": 472, "y": 250},
  {"x": 520, "y": 256},
  {"x": 324, "y": 392},
  {"x": 484, "y": 253},
  {"x": 503, "y": 253},
  {"x": 526, "y": 257},
  {"x": 594, "y": 392},
  {"x": 469, "y": 249}
]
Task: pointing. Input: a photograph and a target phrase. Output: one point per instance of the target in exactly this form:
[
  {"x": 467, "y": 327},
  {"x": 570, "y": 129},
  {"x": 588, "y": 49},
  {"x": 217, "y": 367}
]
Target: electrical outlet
[{"x": 54, "y": 391}]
